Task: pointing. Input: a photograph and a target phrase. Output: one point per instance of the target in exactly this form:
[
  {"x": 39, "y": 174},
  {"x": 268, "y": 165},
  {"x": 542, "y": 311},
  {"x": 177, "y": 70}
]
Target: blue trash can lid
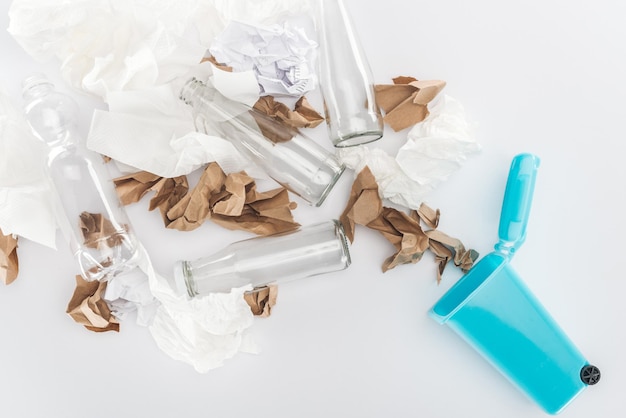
[{"x": 518, "y": 197}]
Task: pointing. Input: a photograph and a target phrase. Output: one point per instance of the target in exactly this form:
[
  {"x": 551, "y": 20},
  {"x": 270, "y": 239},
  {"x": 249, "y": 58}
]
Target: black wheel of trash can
[{"x": 590, "y": 375}]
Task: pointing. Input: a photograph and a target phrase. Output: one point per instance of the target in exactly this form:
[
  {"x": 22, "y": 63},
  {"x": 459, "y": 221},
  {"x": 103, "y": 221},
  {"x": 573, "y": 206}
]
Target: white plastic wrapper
[
  {"x": 435, "y": 148},
  {"x": 25, "y": 194}
]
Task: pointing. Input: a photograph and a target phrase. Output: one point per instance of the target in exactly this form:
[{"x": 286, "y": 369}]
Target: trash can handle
[{"x": 516, "y": 204}]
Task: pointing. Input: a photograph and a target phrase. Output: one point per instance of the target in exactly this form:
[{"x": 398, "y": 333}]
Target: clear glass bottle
[
  {"x": 90, "y": 215},
  {"x": 352, "y": 115},
  {"x": 288, "y": 156},
  {"x": 308, "y": 251}
]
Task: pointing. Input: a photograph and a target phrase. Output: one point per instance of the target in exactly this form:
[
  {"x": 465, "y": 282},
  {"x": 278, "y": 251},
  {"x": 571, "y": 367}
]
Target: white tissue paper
[
  {"x": 25, "y": 194},
  {"x": 203, "y": 331},
  {"x": 112, "y": 45},
  {"x": 435, "y": 148},
  {"x": 153, "y": 130},
  {"x": 281, "y": 55},
  {"x": 261, "y": 12}
]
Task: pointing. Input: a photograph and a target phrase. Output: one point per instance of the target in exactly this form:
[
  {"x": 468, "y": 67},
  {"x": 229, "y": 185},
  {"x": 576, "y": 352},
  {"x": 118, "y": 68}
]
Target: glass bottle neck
[{"x": 35, "y": 87}]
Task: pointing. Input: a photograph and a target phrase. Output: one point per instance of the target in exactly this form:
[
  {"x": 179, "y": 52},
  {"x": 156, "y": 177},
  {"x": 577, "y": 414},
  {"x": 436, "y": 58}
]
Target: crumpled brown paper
[
  {"x": 228, "y": 200},
  {"x": 168, "y": 191},
  {"x": 98, "y": 231},
  {"x": 9, "y": 265},
  {"x": 303, "y": 115},
  {"x": 405, "y": 102},
  {"x": 88, "y": 308},
  {"x": 262, "y": 299},
  {"x": 219, "y": 65},
  {"x": 364, "y": 204},
  {"x": 403, "y": 230}
]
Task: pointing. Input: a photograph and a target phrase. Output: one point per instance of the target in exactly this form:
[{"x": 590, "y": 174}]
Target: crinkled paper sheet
[
  {"x": 281, "y": 55},
  {"x": 231, "y": 201},
  {"x": 434, "y": 150},
  {"x": 403, "y": 230}
]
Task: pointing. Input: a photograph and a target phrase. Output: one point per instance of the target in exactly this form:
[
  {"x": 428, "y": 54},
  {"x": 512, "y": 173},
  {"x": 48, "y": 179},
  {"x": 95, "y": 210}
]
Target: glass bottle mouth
[
  {"x": 183, "y": 279},
  {"x": 34, "y": 83}
]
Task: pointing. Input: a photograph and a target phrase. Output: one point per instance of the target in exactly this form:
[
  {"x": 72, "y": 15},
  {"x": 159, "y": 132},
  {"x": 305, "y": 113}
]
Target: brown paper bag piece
[
  {"x": 303, "y": 115},
  {"x": 168, "y": 191},
  {"x": 265, "y": 213},
  {"x": 272, "y": 128},
  {"x": 405, "y": 233},
  {"x": 235, "y": 186},
  {"x": 405, "y": 102},
  {"x": 364, "y": 204},
  {"x": 9, "y": 265},
  {"x": 229, "y": 200},
  {"x": 267, "y": 111},
  {"x": 193, "y": 209},
  {"x": 213, "y": 61},
  {"x": 88, "y": 308},
  {"x": 133, "y": 187},
  {"x": 402, "y": 230},
  {"x": 448, "y": 248},
  {"x": 427, "y": 215},
  {"x": 262, "y": 299},
  {"x": 98, "y": 231}
]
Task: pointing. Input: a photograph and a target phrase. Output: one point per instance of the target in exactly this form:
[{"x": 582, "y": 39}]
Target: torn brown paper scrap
[
  {"x": 168, "y": 192},
  {"x": 405, "y": 102},
  {"x": 448, "y": 249},
  {"x": 427, "y": 215},
  {"x": 235, "y": 185},
  {"x": 274, "y": 204},
  {"x": 194, "y": 208},
  {"x": 261, "y": 300},
  {"x": 394, "y": 225},
  {"x": 88, "y": 308},
  {"x": 131, "y": 188},
  {"x": 9, "y": 264},
  {"x": 265, "y": 213},
  {"x": 410, "y": 252},
  {"x": 402, "y": 230},
  {"x": 364, "y": 204},
  {"x": 302, "y": 116},
  {"x": 98, "y": 231}
]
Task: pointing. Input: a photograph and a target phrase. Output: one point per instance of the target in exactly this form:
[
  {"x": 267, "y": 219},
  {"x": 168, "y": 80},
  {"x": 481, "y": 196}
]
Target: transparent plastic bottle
[
  {"x": 292, "y": 159},
  {"x": 89, "y": 212},
  {"x": 308, "y": 251}
]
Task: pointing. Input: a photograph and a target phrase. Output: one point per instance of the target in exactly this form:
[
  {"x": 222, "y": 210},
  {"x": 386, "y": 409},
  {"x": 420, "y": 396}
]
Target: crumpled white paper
[
  {"x": 25, "y": 193},
  {"x": 281, "y": 55},
  {"x": 153, "y": 130},
  {"x": 203, "y": 331},
  {"x": 112, "y": 45},
  {"x": 261, "y": 12},
  {"x": 435, "y": 148}
]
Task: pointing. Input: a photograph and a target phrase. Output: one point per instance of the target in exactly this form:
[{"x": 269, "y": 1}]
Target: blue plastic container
[{"x": 492, "y": 309}]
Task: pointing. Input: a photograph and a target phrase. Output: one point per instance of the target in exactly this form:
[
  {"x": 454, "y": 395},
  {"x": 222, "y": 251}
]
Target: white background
[{"x": 545, "y": 77}]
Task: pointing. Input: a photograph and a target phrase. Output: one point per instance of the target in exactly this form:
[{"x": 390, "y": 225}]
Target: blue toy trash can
[{"x": 493, "y": 310}]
